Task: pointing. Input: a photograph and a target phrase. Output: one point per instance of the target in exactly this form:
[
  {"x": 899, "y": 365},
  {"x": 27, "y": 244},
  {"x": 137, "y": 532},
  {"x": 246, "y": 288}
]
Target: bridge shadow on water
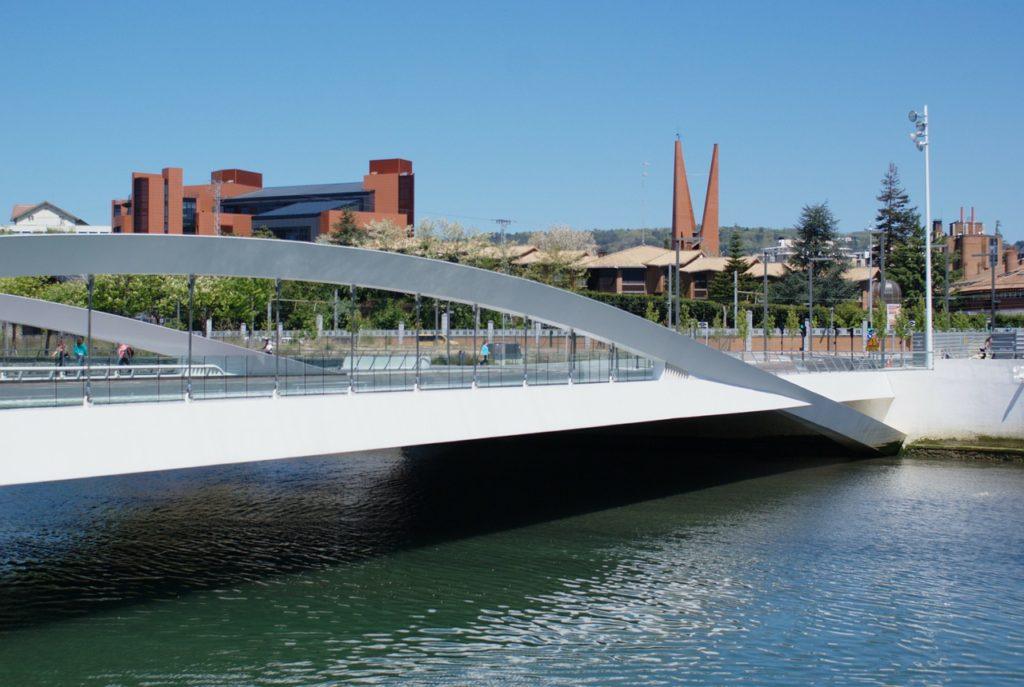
[{"x": 78, "y": 547}]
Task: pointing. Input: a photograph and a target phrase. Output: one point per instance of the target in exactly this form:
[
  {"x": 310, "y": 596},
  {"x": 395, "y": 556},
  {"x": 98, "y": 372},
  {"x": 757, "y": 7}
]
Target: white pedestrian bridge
[{"x": 254, "y": 407}]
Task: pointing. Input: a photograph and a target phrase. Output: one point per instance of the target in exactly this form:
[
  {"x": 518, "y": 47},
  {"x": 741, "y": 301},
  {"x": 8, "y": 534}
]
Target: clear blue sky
[{"x": 542, "y": 112}]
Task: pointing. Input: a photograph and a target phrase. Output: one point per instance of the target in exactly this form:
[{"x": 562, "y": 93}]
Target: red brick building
[{"x": 235, "y": 203}]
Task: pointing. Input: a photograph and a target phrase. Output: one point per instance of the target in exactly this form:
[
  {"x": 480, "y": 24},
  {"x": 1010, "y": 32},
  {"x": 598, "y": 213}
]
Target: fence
[{"x": 28, "y": 383}]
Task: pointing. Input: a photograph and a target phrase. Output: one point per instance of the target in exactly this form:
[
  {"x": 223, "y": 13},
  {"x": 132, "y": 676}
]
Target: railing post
[
  {"x": 611, "y": 362},
  {"x": 476, "y": 327},
  {"x": 572, "y": 355},
  {"x": 277, "y": 337},
  {"x": 526, "y": 363},
  {"x": 448, "y": 340},
  {"x": 416, "y": 382},
  {"x": 352, "y": 340},
  {"x": 90, "y": 283},
  {"x": 188, "y": 369}
]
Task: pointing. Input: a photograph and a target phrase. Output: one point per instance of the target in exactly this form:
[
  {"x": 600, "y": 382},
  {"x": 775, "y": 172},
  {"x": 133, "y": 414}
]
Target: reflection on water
[{"x": 551, "y": 561}]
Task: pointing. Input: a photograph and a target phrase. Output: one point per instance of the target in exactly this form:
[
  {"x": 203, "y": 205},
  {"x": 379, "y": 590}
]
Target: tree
[
  {"x": 721, "y": 287},
  {"x": 904, "y": 239},
  {"x": 345, "y": 232},
  {"x": 895, "y": 216},
  {"x": 817, "y": 232},
  {"x": 561, "y": 250},
  {"x": 792, "y": 323}
]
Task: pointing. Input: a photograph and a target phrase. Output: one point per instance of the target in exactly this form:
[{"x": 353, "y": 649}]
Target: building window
[
  {"x": 165, "y": 205},
  {"x": 188, "y": 215},
  {"x": 140, "y": 205}
]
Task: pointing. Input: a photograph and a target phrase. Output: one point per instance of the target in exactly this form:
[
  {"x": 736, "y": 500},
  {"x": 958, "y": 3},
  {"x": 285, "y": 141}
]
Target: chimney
[{"x": 1011, "y": 262}]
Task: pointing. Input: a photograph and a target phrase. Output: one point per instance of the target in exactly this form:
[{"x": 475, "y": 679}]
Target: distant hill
[{"x": 753, "y": 238}]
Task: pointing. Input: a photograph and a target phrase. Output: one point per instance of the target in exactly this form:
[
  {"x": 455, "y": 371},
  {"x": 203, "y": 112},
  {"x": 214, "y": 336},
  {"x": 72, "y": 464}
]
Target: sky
[{"x": 539, "y": 112}]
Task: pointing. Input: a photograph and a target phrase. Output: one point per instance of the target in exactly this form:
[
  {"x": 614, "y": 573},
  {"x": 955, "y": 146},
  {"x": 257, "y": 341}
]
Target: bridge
[{"x": 641, "y": 372}]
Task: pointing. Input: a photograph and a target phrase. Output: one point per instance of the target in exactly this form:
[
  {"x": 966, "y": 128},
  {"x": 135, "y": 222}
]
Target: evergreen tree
[
  {"x": 895, "y": 216},
  {"x": 721, "y": 287},
  {"x": 817, "y": 232},
  {"x": 904, "y": 240}
]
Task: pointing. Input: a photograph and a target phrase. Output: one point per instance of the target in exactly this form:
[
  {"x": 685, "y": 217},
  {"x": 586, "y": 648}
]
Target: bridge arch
[{"x": 275, "y": 259}]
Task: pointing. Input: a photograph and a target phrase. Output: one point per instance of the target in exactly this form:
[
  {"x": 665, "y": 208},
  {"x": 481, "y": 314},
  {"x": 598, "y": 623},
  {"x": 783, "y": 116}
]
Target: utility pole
[
  {"x": 810, "y": 300},
  {"x": 993, "y": 260},
  {"x": 503, "y": 225},
  {"x": 643, "y": 202},
  {"x": 736, "y": 298}
]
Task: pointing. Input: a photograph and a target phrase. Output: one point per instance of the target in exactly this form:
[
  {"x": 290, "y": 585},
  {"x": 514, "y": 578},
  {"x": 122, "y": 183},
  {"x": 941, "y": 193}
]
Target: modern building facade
[{"x": 235, "y": 203}]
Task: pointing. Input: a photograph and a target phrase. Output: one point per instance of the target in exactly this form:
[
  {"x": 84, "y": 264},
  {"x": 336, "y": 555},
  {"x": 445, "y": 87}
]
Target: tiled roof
[
  {"x": 637, "y": 256},
  {"x": 716, "y": 264},
  {"x": 668, "y": 258},
  {"x": 859, "y": 274},
  {"x": 775, "y": 269},
  {"x": 539, "y": 256},
  {"x": 983, "y": 282}
]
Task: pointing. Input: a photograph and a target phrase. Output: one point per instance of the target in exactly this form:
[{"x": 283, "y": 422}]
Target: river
[{"x": 531, "y": 563}]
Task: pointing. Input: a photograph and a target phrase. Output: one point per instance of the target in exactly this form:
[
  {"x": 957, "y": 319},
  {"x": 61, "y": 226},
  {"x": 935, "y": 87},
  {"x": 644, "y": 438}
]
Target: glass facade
[
  {"x": 188, "y": 215},
  {"x": 140, "y": 205}
]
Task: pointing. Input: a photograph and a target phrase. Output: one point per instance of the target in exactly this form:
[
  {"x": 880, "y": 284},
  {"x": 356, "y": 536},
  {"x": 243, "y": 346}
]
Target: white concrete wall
[
  {"x": 959, "y": 399},
  {"x": 46, "y": 444}
]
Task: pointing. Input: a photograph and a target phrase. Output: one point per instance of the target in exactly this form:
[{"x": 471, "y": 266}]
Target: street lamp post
[
  {"x": 810, "y": 300},
  {"x": 921, "y": 138},
  {"x": 764, "y": 314}
]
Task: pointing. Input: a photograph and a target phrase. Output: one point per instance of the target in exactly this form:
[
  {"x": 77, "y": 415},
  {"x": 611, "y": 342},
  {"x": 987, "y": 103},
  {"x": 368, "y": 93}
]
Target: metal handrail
[{"x": 17, "y": 373}]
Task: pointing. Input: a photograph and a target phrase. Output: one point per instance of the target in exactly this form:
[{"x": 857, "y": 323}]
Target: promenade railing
[{"x": 33, "y": 383}]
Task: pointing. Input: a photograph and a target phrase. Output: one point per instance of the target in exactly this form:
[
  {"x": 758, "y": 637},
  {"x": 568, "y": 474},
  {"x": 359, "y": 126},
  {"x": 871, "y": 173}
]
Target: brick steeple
[
  {"x": 709, "y": 221},
  {"x": 683, "y": 223}
]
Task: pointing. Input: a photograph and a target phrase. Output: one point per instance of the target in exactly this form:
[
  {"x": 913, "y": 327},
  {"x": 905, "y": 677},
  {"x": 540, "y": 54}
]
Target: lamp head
[{"x": 912, "y": 116}]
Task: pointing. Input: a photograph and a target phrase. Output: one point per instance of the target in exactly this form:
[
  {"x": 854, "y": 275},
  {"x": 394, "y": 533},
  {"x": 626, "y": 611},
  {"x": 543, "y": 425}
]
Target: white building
[{"x": 47, "y": 218}]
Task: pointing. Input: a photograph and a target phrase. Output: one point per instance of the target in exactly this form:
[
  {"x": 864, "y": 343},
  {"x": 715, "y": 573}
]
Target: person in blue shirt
[
  {"x": 485, "y": 352},
  {"x": 80, "y": 350}
]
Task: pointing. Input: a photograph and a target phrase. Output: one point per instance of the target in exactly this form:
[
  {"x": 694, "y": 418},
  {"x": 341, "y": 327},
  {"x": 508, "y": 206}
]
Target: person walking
[
  {"x": 123, "y": 355},
  {"x": 268, "y": 347},
  {"x": 60, "y": 354},
  {"x": 485, "y": 353},
  {"x": 81, "y": 351}
]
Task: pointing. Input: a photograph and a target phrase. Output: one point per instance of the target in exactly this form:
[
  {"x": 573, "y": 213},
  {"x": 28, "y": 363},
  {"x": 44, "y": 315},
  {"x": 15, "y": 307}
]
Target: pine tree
[
  {"x": 895, "y": 216},
  {"x": 817, "y": 233},
  {"x": 721, "y": 287}
]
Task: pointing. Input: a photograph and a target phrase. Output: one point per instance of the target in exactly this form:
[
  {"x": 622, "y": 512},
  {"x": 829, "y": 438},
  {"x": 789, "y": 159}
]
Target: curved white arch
[{"x": 275, "y": 259}]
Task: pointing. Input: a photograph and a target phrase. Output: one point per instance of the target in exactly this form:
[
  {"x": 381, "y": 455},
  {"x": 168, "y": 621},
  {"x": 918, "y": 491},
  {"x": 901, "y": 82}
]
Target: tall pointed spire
[
  {"x": 683, "y": 223},
  {"x": 709, "y": 221}
]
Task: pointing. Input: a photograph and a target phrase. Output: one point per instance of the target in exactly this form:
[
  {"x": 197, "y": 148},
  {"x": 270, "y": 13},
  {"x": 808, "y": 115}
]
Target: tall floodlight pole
[{"x": 920, "y": 137}]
